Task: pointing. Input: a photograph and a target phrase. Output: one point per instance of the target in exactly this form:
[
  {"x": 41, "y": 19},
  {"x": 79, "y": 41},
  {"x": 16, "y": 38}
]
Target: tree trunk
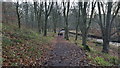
[
  {"x": 42, "y": 26},
  {"x": 19, "y": 22},
  {"x": 26, "y": 14},
  {"x": 84, "y": 39},
  {"x": 106, "y": 36},
  {"x": 54, "y": 27},
  {"x": 66, "y": 29},
  {"x": 39, "y": 27},
  {"x": 67, "y": 37},
  {"x": 76, "y": 33},
  {"x": 54, "y": 21},
  {"x": 66, "y": 19},
  {"x": 18, "y": 15},
  {"x": 78, "y": 21},
  {"x": 105, "y": 45},
  {"x": 47, "y": 13},
  {"x": 39, "y": 22},
  {"x": 106, "y": 42},
  {"x": 45, "y": 28}
]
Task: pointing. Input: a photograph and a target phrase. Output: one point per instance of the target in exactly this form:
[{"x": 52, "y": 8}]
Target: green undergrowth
[
  {"x": 98, "y": 58},
  {"x": 22, "y": 46},
  {"x": 103, "y": 59},
  {"x": 95, "y": 56}
]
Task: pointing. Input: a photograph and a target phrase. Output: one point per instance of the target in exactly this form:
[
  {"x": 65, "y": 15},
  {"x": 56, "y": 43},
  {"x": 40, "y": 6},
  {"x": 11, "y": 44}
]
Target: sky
[
  {"x": 59, "y": 1},
  {"x": 35, "y": 0},
  {"x": 56, "y": 0}
]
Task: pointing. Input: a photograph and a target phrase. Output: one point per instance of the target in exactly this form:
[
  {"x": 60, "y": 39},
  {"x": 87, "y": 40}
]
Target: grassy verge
[
  {"x": 96, "y": 57},
  {"x": 22, "y": 46}
]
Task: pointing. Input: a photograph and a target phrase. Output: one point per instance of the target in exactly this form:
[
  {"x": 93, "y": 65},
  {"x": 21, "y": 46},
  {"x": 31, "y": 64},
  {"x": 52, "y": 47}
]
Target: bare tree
[
  {"x": 77, "y": 15},
  {"x": 35, "y": 10},
  {"x": 38, "y": 9},
  {"x": 47, "y": 13},
  {"x": 106, "y": 22},
  {"x": 55, "y": 15},
  {"x": 66, "y": 6},
  {"x": 18, "y": 14},
  {"x": 84, "y": 23},
  {"x": 26, "y": 12}
]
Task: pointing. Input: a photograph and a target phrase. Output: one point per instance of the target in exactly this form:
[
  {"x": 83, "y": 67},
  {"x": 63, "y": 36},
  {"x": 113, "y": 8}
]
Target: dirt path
[{"x": 64, "y": 53}]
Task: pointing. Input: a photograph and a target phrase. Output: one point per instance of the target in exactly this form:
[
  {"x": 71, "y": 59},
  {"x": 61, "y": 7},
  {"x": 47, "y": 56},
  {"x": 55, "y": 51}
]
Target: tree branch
[
  {"x": 49, "y": 9},
  {"x": 92, "y": 11}
]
